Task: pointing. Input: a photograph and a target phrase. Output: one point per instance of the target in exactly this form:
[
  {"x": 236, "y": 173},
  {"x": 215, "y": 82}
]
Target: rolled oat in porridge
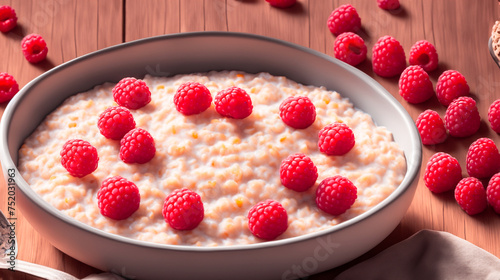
[{"x": 231, "y": 163}]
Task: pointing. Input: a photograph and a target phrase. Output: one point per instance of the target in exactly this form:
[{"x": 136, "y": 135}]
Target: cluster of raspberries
[{"x": 33, "y": 46}]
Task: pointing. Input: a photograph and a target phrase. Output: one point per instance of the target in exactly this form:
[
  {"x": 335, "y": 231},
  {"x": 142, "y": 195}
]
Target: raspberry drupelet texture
[
  {"x": 388, "y": 4},
  {"x": 183, "y": 209},
  {"x": 345, "y": 18},
  {"x": 131, "y": 93},
  {"x": 192, "y": 98},
  {"x": 115, "y": 122},
  {"x": 335, "y": 195},
  {"x": 442, "y": 173},
  {"x": 8, "y": 18},
  {"x": 8, "y": 87},
  {"x": 462, "y": 117},
  {"x": 233, "y": 102},
  {"x": 298, "y": 172},
  {"x": 137, "y": 146},
  {"x": 267, "y": 219},
  {"x": 297, "y": 112},
  {"x": 483, "y": 159},
  {"x": 494, "y": 115},
  {"x": 281, "y": 3},
  {"x": 79, "y": 157},
  {"x": 424, "y": 54},
  {"x": 415, "y": 86},
  {"x": 493, "y": 192},
  {"x": 118, "y": 198},
  {"x": 471, "y": 195},
  {"x": 451, "y": 84},
  {"x": 388, "y": 57},
  {"x": 34, "y": 48},
  {"x": 431, "y": 127},
  {"x": 336, "y": 139},
  {"x": 350, "y": 48}
]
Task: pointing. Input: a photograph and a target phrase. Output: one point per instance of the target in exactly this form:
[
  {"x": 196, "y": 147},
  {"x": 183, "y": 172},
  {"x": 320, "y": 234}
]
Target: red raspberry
[
  {"x": 192, "y": 98},
  {"x": 118, "y": 198},
  {"x": 483, "y": 159},
  {"x": 8, "y": 18},
  {"x": 415, "y": 86},
  {"x": 388, "y": 4},
  {"x": 344, "y": 19},
  {"x": 493, "y": 192},
  {"x": 8, "y": 87},
  {"x": 451, "y": 85},
  {"x": 267, "y": 219},
  {"x": 431, "y": 128},
  {"x": 34, "y": 48},
  {"x": 233, "y": 102},
  {"x": 298, "y": 112},
  {"x": 424, "y": 54},
  {"x": 350, "y": 48},
  {"x": 79, "y": 157},
  {"x": 471, "y": 196},
  {"x": 389, "y": 58},
  {"x": 183, "y": 209},
  {"x": 137, "y": 146},
  {"x": 336, "y": 139},
  {"x": 298, "y": 172},
  {"x": 462, "y": 117},
  {"x": 335, "y": 195},
  {"x": 131, "y": 93},
  {"x": 281, "y": 3},
  {"x": 115, "y": 122},
  {"x": 494, "y": 115},
  {"x": 442, "y": 173}
]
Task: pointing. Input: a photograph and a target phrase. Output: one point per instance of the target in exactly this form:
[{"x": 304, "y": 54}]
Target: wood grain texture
[{"x": 458, "y": 28}]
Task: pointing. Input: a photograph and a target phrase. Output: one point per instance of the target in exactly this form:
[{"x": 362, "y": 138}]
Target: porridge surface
[{"x": 232, "y": 164}]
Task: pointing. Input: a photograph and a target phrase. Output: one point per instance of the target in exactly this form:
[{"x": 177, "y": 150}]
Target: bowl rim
[{"x": 411, "y": 173}]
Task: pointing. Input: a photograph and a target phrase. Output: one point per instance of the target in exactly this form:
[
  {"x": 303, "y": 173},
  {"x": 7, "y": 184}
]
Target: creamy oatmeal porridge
[{"x": 232, "y": 164}]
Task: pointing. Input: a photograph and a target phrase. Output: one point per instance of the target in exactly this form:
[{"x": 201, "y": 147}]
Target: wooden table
[{"x": 458, "y": 28}]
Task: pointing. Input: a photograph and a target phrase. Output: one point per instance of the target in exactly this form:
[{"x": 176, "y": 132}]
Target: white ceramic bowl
[{"x": 199, "y": 52}]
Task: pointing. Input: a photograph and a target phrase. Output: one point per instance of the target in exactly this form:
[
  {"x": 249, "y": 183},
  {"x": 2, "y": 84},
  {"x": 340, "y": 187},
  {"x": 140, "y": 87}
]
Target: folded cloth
[{"x": 428, "y": 255}]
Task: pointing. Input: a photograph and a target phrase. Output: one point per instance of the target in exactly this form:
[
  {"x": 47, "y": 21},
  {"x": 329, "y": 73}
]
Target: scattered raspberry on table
[
  {"x": 483, "y": 159},
  {"x": 79, "y": 157},
  {"x": 471, "y": 195},
  {"x": 298, "y": 172},
  {"x": 494, "y": 115},
  {"x": 183, "y": 209},
  {"x": 233, "y": 102},
  {"x": 424, "y": 54},
  {"x": 462, "y": 117},
  {"x": 335, "y": 195},
  {"x": 115, "y": 122},
  {"x": 431, "y": 127},
  {"x": 131, "y": 93},
  {"x": 415, "y": 86},
  {"x": 297, "y": 112},
  {"x": 8, "y": 18},
  {"x": 350, "y": 48},
  {"x": 451, "y": 84},
  {"x": 8, "y": 87},
  {"x": 192, "y": 98},
  {"x": 336, "y": 139},
  {"x": 388, "y": 57},
  {"x": 281, "y": 3},
  {"x": 267, "y": 219},
  {"x": 442, "y": 173},
  {"x": 34, "y": 48},
  {"x": 137, "y": 146},
  {"x": 388, "y": 4},
  {"x": 345, "y": 18},
  {"x": 493, "y": 192},
  {"x": 118, "y": 198}
]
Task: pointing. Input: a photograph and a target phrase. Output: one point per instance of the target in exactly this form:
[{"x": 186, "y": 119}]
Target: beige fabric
[{"x": 428, "y": 255}]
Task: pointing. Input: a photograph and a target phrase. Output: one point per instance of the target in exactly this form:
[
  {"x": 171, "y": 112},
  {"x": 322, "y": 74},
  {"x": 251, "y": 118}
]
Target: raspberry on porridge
[{"x": 231, "y": 163}]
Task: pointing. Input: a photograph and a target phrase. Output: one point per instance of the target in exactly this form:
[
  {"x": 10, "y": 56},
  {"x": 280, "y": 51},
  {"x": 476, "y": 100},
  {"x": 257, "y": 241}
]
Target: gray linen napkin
[{"x": 428, "y": 255}]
